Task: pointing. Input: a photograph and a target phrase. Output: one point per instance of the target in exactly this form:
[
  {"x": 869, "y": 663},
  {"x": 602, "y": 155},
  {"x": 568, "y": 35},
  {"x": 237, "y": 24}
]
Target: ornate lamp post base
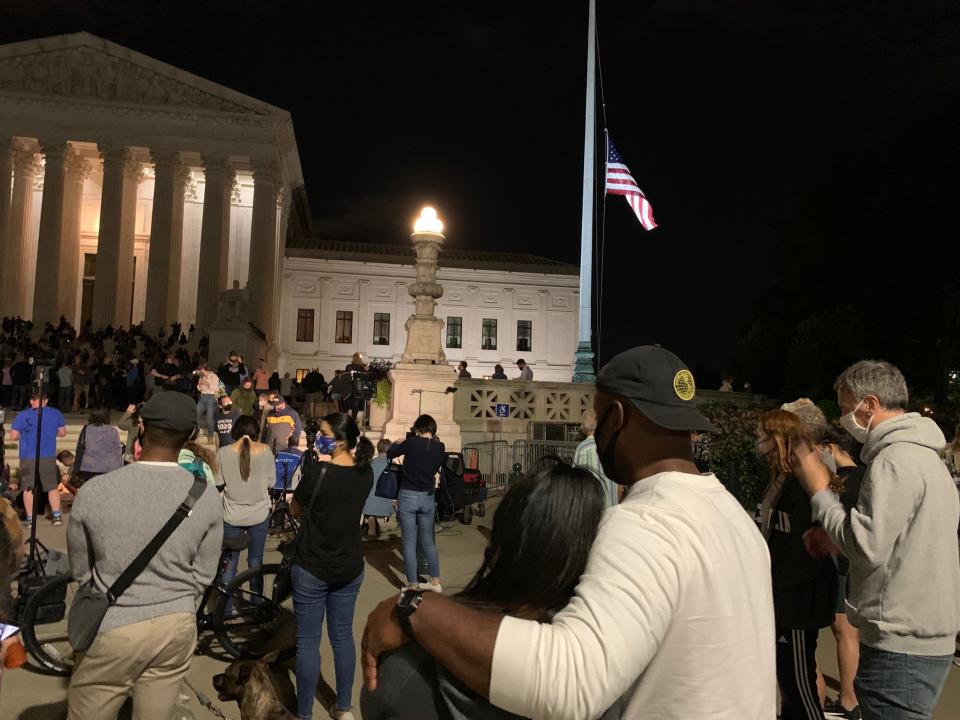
[{"x": 583, "y": 364}]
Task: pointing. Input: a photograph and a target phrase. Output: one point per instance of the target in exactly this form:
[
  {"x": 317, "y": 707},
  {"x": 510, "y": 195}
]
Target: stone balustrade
[{"x": 527, "y": 403}]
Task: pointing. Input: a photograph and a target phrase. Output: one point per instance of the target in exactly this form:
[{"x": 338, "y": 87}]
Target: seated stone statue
[{"x": 233, "y": 304}]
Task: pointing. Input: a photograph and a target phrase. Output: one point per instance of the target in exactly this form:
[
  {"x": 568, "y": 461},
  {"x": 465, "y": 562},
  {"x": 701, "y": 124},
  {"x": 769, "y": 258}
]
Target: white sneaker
[
  {"x": 340, "y": 714},
  {"x": 433, "y": 587}
]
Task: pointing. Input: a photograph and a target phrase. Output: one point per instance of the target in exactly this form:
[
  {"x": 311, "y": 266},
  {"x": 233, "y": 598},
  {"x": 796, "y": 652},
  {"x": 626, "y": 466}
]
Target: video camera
[{"x": 312, "y": 430}]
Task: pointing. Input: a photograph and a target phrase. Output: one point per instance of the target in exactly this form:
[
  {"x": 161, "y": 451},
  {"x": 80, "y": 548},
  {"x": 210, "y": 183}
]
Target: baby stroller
[{"x": 460, "y": 490}]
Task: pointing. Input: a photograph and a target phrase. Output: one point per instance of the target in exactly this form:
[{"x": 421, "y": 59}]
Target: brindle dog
[{"x": 262, "y": 692}]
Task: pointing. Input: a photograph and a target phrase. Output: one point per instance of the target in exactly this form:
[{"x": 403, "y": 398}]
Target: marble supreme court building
[{"x": 131, "y": 190}]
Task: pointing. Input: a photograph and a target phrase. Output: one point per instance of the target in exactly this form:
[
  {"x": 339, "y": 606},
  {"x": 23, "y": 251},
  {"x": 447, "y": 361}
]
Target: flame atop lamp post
[
  {"x": 422, "y": 379},
  {"x": 424, "y": 328}
]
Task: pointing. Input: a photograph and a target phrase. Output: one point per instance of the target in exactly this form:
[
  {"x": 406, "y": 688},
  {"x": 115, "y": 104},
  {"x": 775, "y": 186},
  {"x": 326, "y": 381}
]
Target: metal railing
[
  {"x": 493, "y": 460},
  {"x": 534, "y": 455}
]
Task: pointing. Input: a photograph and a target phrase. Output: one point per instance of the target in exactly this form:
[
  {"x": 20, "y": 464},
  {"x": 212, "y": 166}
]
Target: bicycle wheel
[
  {"x": 250, "y": 622},
  {"x": 44, "y": 625}
]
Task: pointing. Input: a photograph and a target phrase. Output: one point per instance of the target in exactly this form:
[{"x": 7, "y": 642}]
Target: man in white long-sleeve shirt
[{"x": 673, "y": 616}]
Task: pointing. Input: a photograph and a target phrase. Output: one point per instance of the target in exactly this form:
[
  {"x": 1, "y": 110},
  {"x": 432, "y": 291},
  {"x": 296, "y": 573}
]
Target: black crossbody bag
[
  {"x": 90, "y": 604},
  {"x": 283, "y": 583}
]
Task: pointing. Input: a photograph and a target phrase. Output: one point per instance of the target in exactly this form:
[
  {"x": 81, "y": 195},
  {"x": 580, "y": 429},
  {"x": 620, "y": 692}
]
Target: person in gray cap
[
  {"x": 676, "y": 592},
  {"x": 148, "y": 636}
]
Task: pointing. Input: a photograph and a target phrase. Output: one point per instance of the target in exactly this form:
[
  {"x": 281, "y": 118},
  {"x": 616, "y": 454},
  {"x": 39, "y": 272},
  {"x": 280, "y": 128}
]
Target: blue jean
[
  {"x": 894, "y": 686},
  {"x": 311, "y": 596},
  {"x": 416, "y": 509},
  {"x": 206, "y": 410},
  {"x": 258, "y": 540}
]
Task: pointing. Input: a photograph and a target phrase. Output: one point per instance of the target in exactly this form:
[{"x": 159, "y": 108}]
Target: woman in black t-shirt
[
  {"x": 328, "y": 565},
  {"x": 804, "y": 586}
]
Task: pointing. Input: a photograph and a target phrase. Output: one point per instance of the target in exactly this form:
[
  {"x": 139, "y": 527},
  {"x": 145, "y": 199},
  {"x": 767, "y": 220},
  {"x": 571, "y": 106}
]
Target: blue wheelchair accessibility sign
[{"x": 503, "y": 410}]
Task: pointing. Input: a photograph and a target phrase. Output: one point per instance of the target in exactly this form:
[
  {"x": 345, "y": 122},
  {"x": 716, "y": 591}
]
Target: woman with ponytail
[
  {"x": 328, "y": 562},
  {"x": 247, "y": 472}
]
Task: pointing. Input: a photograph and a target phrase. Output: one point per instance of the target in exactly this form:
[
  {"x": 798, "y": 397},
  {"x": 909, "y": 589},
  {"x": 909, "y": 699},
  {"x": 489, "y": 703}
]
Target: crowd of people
[{"x": 625, "y": 585}]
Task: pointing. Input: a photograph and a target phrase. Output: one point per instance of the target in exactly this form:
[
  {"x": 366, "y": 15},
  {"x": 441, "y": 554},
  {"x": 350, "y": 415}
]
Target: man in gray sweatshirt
[
  {"x": 901, "y": 541},
  {"x": 147, "y": 638}
]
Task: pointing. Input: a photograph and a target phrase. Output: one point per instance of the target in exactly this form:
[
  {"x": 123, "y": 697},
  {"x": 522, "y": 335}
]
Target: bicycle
[{"x": 245, "y": 620}]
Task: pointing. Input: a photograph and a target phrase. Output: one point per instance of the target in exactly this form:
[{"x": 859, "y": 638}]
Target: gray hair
[
  {"x": 810, "y": 415},
  {"x": 383, "y": 445},
  {"x": 589, "y": 422},
  {"x": 878, "y": 378}
]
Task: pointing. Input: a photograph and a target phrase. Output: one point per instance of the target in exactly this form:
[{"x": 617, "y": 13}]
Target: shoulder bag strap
[
  {"x": 81, "y": 446},
  {"x": 146, "y": 555},
  {"x": 314, "y": 492}
]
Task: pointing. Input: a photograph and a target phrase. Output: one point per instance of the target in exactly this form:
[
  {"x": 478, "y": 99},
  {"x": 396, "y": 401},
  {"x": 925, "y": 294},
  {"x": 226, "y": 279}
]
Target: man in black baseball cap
[
  {"x": 677, "y": 585},
  {"x": 147, "y": 638},
  {"x": 175, "y": 412}
]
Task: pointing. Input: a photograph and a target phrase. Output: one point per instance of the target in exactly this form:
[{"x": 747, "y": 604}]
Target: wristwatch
[{"x": 407, "y": 605}]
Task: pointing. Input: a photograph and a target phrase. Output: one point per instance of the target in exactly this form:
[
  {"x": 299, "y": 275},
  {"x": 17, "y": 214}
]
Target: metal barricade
[
  {"x": 534, "y": 455},
  {"x": 492, "y": 459}
]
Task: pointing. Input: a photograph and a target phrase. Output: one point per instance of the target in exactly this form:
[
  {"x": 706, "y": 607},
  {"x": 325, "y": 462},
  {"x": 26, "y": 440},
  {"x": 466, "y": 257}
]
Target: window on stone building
[
  {"x": 454, "y": 332},
  {"x": 305, "y": 325},
  {"x": 488, "y": 339},
  {"x": 301, "y": 373},
  {"x": 381, "y": 328},
  {"x": 524, "y": 335},
  {"x": 344, "y": 326}
]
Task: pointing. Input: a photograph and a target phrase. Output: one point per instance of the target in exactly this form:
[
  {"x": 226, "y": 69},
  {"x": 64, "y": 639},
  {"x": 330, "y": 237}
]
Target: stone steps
[{"x": 75, "y": 423}]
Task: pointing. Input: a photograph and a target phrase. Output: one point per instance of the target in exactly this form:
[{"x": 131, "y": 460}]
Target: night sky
[{"x": 729, "y": 115}]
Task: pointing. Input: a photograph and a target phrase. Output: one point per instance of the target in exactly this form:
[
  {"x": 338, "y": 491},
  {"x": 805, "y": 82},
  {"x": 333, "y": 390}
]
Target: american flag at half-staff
[{"x": 621, "y": 182}]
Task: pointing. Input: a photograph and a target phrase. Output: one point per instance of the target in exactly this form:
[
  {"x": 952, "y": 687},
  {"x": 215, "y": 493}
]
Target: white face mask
[
  {"x": 849, "y": 423},
  {"x": 827, "y": 457}
]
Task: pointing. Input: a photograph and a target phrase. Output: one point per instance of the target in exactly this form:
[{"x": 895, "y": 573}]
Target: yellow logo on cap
[{"x": 684, "y": 386}]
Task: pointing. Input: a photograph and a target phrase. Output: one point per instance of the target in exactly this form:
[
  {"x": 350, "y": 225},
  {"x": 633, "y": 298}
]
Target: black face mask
[{"x": 607, "y": 454}]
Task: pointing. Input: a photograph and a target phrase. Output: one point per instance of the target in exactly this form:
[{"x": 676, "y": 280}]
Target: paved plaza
[{"x": 28, "y": 695}]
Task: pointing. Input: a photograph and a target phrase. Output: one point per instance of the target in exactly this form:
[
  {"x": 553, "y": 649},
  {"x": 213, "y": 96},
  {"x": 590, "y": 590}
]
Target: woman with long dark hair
[
  {"x": 804, "y": 587},
  {"x": 423, "y": 456},
  {"x": 541, "y": 537},
  {"x": 247, "y": 472},
  {"x": 328, "y": 563}
]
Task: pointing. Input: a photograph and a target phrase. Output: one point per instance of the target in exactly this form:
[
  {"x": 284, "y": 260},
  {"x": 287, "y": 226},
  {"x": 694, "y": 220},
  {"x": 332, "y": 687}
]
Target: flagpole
[{"x": 583, "y": 371}]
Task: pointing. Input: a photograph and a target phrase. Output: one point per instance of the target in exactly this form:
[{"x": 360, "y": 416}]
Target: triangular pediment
[{"x": 83, "y": 66}]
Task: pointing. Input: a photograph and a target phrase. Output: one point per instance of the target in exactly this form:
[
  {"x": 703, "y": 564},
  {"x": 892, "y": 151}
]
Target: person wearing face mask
[
  {"x": 281, "y": 423},
  {"x": 804, "y": 586},
  {"x": 224, "y": 420},
  {"x": 328, "y": 563},
  {"x": 676, "y": 590},
  {"x": 900, "y": 540}
]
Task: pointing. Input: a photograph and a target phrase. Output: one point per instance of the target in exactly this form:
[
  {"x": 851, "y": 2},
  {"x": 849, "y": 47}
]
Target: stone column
[
  {"x": 106, "y": 288},
  {"x": 6, "y": 186},
  {"x": 214, "y": 236},
  {"x": 263, "y": 240},
  {"x": 272, "y": 329},
  {"x": 25, "y": 168},
  {"x": 76, "y": 171},
  {"x": 180, "y": 187},
  {"x": 45, "y": 293},
  {"x": 132, "y": 177},
  {"x": 166, "y": 241}
]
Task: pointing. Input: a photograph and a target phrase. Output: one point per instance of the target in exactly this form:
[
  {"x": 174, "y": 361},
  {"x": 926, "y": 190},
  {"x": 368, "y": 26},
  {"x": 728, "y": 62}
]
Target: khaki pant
[{"x": 148, "y": 659}]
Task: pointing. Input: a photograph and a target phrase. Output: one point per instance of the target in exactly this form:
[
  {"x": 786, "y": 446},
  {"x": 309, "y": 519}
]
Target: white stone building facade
[
  {"x": 131, "y": 190},
  {"x": 340, "y": 298}
]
